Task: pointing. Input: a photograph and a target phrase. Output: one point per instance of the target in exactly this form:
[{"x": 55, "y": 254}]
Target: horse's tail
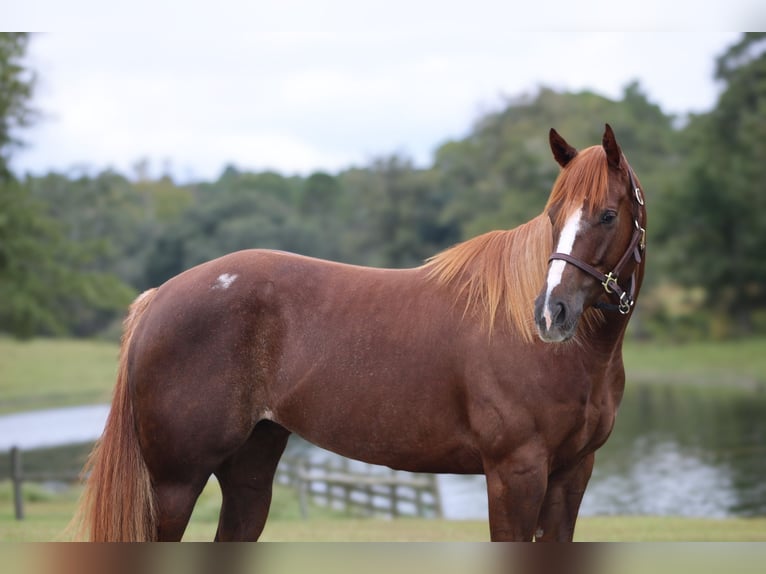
[{"x": 118, "y": 503}]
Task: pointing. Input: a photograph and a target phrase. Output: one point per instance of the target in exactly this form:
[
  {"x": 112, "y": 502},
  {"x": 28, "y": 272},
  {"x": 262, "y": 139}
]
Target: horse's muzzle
[{"x": 556, "y": 322}]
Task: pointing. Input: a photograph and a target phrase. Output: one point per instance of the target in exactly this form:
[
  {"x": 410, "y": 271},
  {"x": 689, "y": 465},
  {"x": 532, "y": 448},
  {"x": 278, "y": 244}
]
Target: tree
[
  {"x": 16, "y": 87},
  {"x": 21, "y": 225},
  {"x": 716, "y": 218},
  {"x": 48, "y": 284},
  {"x": 500, "y": 175},
  {"x": 397, "y": 222},
  {"x": 241, "y": 210}
]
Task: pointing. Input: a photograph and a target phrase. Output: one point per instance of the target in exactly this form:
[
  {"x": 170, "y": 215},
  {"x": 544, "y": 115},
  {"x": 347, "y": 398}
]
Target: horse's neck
[{"x": 609, "y": 335}]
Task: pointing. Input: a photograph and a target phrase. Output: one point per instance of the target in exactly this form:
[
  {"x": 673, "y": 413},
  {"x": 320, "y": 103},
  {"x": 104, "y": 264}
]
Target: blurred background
[{"x": 131, "y": 151}]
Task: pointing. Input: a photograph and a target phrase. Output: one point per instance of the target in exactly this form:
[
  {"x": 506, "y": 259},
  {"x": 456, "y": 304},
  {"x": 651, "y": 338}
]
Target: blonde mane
[
  {"x": 583, "y": 183},
  {"x": 500, "y": 273}
]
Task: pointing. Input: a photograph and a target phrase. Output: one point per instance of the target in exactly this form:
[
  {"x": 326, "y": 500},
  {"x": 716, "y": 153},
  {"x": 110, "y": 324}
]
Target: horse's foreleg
[
  {"x": 246, "y": 481},
  {"x": 562, "y": 502},
  {"x": 515, "y": 489}
]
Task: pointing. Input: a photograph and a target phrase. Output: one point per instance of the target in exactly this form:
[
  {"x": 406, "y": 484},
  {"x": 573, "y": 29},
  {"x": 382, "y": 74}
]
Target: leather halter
[{"x": 625, "y": 296}]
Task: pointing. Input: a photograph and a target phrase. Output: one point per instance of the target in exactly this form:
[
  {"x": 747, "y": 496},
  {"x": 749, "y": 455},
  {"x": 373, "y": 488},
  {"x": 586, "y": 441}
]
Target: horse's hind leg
[
  {"x": 175, "y": 502},
  {"x": 246, "y": 479}
]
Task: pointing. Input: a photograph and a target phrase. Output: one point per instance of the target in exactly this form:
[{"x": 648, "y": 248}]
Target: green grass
[
  {"x": 741, "y": 362},
  {"x": 602, "y": 529},
  {"x": 46, "y": 373},
  {"x": 48, "y": 514}
]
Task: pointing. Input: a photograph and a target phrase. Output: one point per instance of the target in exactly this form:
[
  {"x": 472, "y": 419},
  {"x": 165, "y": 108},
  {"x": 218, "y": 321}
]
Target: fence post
[
  {"x": 16, "y": 477},
  {"x": 439, "y": 510},
  {"x": 420, "y": 507},
  {"x": 347, "y": 488},
  {"x": 394, "y": 496},
  {"x": 301, "y": 473}
]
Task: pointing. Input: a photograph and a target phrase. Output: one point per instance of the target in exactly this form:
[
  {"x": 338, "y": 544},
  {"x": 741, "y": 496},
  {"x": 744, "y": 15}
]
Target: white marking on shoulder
[
  {"x": 556, "y": 270},
  {"x": 225, "y": 280}
]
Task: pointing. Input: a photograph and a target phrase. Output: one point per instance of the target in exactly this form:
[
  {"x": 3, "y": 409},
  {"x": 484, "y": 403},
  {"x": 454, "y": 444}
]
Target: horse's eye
[{"x": 608, "y": 216}]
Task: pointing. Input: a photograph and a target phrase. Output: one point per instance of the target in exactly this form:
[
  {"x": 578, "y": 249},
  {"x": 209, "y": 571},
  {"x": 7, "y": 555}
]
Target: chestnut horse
[{"x": 500, "y": 356}]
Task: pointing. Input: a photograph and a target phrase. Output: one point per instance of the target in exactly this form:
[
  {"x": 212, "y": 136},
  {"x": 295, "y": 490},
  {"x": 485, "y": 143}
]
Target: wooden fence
[
  {"x": 352, "y": 487},
  {"x": 19, "y": 476},
  {"x": 360, "y": 489}
]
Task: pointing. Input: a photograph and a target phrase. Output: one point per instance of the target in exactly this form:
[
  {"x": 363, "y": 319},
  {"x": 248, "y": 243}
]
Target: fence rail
[
  {"x": 362, "y": 490},
  {"x": 19, "y": 476},
  {"x": 354, "y": 488}
]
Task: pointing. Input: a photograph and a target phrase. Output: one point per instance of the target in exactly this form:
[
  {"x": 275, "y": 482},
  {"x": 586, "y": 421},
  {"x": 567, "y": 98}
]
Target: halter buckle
[
  {"x": 642, "y": 231},
  {"x": 609, "y": 278}
]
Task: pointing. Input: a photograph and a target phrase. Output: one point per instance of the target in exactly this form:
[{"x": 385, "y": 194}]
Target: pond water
[
  {"x": 52, "y": 427},
  {"x": 685, "y": 451},
  {"x": 675, "y": 450}
]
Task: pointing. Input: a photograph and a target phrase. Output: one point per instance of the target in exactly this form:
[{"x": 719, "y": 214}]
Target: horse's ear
[
  {"x": 562, "y": 151},
  {"x": 612, "y": 148}
]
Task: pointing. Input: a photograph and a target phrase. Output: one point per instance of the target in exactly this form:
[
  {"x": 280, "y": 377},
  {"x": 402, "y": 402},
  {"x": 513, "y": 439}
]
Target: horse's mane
[
  {"x": 500, "y": 273},
  {"x": 583, "y": 183}
]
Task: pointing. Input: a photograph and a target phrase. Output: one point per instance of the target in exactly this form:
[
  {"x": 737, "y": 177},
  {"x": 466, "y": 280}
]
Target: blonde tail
[{"x": 118, "y": 503}]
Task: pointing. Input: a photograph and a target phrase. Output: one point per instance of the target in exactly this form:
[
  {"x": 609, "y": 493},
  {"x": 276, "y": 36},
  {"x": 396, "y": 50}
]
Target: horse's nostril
[{"x": 559, "y": 314}]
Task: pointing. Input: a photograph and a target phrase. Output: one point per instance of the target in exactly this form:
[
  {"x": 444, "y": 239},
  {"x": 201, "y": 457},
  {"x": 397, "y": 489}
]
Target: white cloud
[{"x": 299, "y": 85}]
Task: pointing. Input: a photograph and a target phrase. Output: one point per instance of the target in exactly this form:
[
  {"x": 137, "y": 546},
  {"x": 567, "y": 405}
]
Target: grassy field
[
  {"x": 741, "y": 363},
  {"x": 49, "y": 373},
  {"x": 47, "y": 516},
  {"x": 55, "y": 372}
]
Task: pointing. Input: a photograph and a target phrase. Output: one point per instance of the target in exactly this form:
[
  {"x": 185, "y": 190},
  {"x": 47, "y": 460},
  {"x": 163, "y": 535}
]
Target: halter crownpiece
[{"x": 637, "y": 245}]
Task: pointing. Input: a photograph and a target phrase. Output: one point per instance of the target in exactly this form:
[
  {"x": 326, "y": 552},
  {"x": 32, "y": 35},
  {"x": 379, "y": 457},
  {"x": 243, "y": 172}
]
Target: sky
[{"x": 299, "y": 85}]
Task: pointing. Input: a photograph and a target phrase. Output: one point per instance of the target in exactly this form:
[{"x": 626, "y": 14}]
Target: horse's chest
[
  {"x": 591, "y": 427},
  {"x": 600, "y": 423}
]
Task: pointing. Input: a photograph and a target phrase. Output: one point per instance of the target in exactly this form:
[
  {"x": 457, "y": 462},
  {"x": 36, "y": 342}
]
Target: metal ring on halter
[
  {"x": 625, "y": 304},
  {"x": 639, "y": 196}
]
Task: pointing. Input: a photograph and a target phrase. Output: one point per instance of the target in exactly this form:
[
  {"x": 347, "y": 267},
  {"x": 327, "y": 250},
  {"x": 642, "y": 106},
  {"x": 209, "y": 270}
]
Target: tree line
[{"x": 75, "y": 248}]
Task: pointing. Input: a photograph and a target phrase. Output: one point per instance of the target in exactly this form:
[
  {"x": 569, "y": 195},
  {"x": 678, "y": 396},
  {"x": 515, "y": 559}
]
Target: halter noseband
[{"x": 625, "y": 298}]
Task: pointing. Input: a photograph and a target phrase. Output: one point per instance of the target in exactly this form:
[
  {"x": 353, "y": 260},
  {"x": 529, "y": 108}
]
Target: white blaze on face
[{"x": 556, "y": 269}]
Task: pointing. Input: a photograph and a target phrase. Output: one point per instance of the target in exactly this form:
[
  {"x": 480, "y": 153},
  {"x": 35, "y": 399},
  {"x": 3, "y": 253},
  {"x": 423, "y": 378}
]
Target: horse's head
[{"x": 598, "y": 218}]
